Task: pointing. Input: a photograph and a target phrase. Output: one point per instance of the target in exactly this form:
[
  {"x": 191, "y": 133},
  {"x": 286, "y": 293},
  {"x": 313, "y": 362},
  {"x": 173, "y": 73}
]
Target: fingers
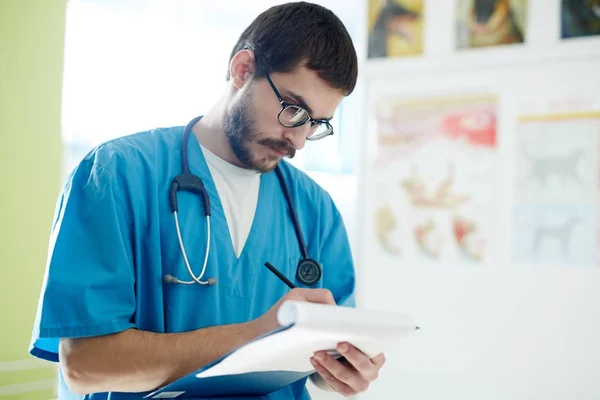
[
  {"x": 368, "y": 368},
  {"x": 379, "y": 360},
  {"x": 351, "y": 375},
  {"x": 323, "y": 296},
  {"x": 359, "y": 361},
  {"x": 335, "y": 384},
  {"x": 342, "y": 378}
]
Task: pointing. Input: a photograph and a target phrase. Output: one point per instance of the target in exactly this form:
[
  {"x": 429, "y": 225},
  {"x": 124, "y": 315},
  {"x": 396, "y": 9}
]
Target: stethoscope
[{"x": 308, "y": 271}]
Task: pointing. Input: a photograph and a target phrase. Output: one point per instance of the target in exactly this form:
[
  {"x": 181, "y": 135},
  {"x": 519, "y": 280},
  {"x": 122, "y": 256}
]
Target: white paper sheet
[{"x": 315, "y": 327}]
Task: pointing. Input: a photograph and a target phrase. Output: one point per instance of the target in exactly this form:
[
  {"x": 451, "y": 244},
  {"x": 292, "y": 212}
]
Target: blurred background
[{"x": 466, "y": 169}]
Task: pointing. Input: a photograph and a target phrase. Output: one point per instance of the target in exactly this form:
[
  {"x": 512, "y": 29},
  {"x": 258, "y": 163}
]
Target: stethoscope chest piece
[{"x": 308, "y": 272}]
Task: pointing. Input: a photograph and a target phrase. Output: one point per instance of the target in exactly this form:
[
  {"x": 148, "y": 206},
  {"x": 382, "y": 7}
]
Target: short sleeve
[
  {"x": 337, "y": 261},
  {"x": 88, "y": 287}
]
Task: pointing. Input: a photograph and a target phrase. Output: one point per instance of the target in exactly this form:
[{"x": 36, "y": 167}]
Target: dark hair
[{"x": 285, "y": 35}]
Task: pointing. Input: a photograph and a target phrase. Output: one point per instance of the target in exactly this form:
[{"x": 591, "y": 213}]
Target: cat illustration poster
[
  {"x": 484, "y": 23},
  {"x": 579, "y": 18},
  {"x": 395, "y": 28},
  {"x": 435, "y": 171},
  {"x": 555, "y": 189}
]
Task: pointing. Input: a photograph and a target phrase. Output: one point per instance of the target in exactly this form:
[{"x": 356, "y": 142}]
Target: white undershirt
[{"x": 238, "y": 192}]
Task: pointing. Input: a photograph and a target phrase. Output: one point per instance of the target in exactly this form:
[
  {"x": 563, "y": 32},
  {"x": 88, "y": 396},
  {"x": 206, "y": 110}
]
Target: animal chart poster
[
  {"x": 434, "y": 177},
  {"x": 556, "y": 180},
  {"x": 395, "y": 28}
]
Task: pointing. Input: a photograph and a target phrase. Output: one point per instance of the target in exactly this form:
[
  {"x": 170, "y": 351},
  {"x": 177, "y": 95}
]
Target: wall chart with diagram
[
  {"x": 556, "y": 189},
  {"x": 434, "y": 173}
]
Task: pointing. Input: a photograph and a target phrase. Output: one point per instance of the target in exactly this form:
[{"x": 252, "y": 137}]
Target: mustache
[{"x": 279, "y": 145}]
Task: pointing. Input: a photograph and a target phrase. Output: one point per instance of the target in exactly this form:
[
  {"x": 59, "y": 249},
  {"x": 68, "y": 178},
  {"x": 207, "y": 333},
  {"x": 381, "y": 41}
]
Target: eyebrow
[{"x": 300, "y": 101}]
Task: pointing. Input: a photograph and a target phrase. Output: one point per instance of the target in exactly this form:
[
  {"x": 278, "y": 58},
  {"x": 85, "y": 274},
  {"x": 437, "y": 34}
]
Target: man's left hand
[{"x": 350, "y": 376}]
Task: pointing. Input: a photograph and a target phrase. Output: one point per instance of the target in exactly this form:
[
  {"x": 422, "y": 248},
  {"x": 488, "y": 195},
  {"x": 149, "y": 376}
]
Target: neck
[{"x": 211, "y": 135}]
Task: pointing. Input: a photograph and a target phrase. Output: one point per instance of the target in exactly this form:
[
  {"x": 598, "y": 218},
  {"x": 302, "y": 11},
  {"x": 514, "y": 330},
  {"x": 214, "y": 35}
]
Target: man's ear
[{"x": 242, "y": 68}]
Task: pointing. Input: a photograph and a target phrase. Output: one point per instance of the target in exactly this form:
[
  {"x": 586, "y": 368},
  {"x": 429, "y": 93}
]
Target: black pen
[
  {"x": 280, "y": 275},
  {"x": 288, "y": 282}
]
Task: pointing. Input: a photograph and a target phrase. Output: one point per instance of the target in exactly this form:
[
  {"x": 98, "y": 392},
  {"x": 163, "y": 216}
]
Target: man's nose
[{"x": 297, "y": 136}]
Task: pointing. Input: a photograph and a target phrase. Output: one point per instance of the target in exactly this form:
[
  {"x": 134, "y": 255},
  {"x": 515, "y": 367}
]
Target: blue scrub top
[{"x": 114, "y": 238}]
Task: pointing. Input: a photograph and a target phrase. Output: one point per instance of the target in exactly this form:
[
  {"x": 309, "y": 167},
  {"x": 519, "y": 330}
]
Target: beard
[{"x": 240, "y": 131}]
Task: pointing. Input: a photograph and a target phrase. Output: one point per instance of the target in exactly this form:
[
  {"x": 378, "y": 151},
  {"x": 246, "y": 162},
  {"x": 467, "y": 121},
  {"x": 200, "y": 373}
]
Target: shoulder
[
  {"x": 123, "y": 154},
  {"x": 124, "y": 170},
  {"x": 130, "y": 162}
]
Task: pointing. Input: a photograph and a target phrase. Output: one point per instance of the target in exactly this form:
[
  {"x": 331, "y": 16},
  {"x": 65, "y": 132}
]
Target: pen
[
  {"x": 280, "y": 275},
  {"x": 289, "y": 283}
]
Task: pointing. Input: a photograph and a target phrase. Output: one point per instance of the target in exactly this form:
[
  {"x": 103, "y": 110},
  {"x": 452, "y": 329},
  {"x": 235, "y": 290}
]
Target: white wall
[{"x": 503, "y": 331}]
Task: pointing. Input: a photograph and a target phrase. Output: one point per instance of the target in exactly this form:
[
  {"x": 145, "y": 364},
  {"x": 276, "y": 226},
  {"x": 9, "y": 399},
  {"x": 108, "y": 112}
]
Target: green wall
[{"x": 31, "y": 67}]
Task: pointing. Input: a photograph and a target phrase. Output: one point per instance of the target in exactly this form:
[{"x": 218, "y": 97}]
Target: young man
[{"x": 114, "y": 311}]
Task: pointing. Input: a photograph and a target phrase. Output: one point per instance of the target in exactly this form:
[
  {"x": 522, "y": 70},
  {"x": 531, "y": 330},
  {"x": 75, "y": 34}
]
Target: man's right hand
[{"x": 268, "y": 321}]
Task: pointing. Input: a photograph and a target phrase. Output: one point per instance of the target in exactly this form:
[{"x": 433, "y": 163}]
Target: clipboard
[{"x": 282, "y": 356}]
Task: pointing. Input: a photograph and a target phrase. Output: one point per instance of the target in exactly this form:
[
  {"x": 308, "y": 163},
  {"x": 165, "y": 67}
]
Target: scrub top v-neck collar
[{"x": 260, "y": 228}]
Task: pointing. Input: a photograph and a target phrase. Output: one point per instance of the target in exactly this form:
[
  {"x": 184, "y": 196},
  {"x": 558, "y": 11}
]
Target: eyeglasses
[{"x": 293, "y": 116}]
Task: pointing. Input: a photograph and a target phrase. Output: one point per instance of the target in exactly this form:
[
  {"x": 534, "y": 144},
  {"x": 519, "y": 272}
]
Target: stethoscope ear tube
[
  {"x": 308, "y": 271},
  {"x": 189, "y": 182}
]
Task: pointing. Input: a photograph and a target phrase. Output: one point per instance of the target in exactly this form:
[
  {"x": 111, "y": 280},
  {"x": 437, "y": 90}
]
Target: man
[{"x": 113, "y": 312}]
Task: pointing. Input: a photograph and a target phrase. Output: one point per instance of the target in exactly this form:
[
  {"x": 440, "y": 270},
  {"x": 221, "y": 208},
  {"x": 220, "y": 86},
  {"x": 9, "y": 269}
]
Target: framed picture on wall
[
  {"x": 579, "y": 18},
  {"x": 395, "y": 28},
  {"x": 484, "y": 23}
]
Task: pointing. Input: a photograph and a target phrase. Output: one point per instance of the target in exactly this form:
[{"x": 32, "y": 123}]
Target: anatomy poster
[
  {"x": 556, "y": 190},
  {"x": 434, "y": 177}
]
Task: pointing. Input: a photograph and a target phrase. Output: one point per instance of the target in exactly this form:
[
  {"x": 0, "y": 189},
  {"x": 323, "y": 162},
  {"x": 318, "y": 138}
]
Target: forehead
[{"x": 319, "y": 96}]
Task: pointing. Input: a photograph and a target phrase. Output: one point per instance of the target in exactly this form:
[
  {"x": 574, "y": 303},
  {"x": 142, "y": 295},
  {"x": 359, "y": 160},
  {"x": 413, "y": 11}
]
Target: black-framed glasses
[{"x": 293, "y": 116}]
